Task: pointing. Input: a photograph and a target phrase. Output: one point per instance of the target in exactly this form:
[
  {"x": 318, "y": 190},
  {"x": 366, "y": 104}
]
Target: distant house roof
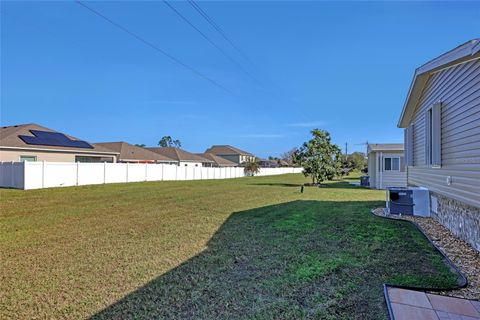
[
  {"x": 219, "y": 161},
  {"x": 33, "y": 137},
  {"x": 179, "y": 154},
  {"x": 467, "y": 51},
  {"x": 269, "y": 163},
  {"x": 130, "y": 152},
  {"x": 225, "y": 150},
  {"x": 375, "y": 147}
]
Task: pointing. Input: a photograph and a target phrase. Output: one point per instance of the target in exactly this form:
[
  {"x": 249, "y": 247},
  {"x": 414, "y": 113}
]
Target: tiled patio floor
[{"x": 410, "y": 305}]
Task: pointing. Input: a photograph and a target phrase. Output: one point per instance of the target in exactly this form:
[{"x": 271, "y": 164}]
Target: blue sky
[{"x": 340, "y": 66}]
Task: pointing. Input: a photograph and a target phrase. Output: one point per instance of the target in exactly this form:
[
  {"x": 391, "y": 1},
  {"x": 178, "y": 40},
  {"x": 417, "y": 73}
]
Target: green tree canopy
[
  {"x": 167, "y": 141},
  {"x": 319, "y": 157},
  {"x": 357, "y": 160}
]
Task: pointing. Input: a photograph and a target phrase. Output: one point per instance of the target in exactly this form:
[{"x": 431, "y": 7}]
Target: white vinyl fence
[{"x": 37, "y": 175}]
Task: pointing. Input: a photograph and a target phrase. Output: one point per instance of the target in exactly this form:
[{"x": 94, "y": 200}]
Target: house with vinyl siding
[
  {"x": 386, "y": 165},
  {"x": 231, "y": 153},
  {"x": 441, "y": 118},
  {"x": 33, "y": 142}
]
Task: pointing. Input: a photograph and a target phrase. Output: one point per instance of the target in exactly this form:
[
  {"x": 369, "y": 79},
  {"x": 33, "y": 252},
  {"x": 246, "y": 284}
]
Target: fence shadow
[
  {"x": 273, "y": 184},
  {"x": 313, "y": 259},
  {"x": 330, "y": 184}
]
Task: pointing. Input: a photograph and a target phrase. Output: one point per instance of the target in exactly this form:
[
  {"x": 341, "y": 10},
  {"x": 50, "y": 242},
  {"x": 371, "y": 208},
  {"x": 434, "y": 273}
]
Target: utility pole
[{"x": 346, "y": 148}]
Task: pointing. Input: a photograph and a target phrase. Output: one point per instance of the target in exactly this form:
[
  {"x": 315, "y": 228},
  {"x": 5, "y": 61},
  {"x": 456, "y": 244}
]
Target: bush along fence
[{"x": 38, "y": 175}]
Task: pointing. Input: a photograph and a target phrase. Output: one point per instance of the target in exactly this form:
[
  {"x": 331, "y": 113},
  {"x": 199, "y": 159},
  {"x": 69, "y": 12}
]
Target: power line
[
  {"x": 153, "y": 46},
  {"x": 230, "y": 41},
  {"x": 210, "y": 40},
  {"x": 216, "y": 27}
]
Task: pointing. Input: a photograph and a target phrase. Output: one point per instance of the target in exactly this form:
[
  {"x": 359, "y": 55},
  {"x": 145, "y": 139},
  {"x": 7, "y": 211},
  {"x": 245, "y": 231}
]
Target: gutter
[{"x": 60, "y": 150}]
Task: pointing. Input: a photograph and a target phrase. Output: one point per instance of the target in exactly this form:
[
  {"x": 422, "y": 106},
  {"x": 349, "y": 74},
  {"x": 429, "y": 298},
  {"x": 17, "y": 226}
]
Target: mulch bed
[{"x": 462, "y": 254}]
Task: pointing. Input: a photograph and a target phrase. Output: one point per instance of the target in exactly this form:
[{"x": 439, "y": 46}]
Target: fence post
[
  {"x": 162, "y": 171},
  {"x": 127, "y": 172},
  {"x": 146, "y": 172},
  {"x": 23, "y": 182},
  {"x": 104, "y": 172},
  {"x": 77, "y": 173},
  {"x": 176, "y": 172},
  {"x": 11, "y": 175},
  {"x": 43, "y": 174}
]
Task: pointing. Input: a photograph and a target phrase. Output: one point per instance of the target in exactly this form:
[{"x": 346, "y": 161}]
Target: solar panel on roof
[{"x": 57, "y": 139}]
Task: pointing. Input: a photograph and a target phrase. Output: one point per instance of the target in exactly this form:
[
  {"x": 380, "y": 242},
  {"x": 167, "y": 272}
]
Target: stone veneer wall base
[{"x": 461, "y": 219}]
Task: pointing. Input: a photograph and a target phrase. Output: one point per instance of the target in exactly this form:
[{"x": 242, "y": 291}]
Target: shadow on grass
[
  {"x": 301, "y": 259},
  {"x": 351, "y": 178},
  {"x": 329, "y": 184},
  {"x": 273, "y": 184}
]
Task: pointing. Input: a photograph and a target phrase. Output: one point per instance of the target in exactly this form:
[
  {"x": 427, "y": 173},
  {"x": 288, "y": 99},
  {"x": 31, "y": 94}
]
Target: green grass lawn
[{"x": 245, "y": 248}]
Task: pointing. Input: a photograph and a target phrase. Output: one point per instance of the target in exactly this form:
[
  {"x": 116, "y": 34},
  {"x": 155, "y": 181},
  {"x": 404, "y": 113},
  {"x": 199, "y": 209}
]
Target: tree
[
  {"x": 167, "y": 141},
  {"x": 141, "y": 145},
  {"x": 320, "y": 159},
  {"x": 251, "y": 167},
  {"x": 356, "y": 161}
]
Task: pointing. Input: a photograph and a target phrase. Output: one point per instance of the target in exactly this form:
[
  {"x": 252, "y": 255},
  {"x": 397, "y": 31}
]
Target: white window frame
[
  {"x": 433, "y": 140},
  {"x": 391, "y": 164}
]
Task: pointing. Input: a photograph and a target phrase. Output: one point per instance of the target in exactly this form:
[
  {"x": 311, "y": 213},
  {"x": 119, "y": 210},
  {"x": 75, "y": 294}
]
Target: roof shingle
[
  {"x": 129, "y": 152},
  {"x": 225, "y": 150},
  {"x": 178, "y": 154},
  {"x": 219, "y": 161},
  {"x": 9, "y": 137}
]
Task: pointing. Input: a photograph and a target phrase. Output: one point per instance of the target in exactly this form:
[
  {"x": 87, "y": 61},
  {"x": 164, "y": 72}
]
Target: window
[
  {"x": 391, "y": 164},
  {"x": 433, "y": 142},
  {"x": 28, "y": 158}
]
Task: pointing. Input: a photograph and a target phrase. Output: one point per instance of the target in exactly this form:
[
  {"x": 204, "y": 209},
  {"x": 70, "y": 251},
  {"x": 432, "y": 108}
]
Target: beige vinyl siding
[
  {"x": 372, "y": 169},
  {"x": 458, "y": 89},
  {"x": 52, "y": 156},
  {"x": 379, "y": 177}
]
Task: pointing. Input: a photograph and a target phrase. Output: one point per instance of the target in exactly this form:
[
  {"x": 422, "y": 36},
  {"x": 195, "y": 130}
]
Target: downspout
[{"x": 380, "y": 169}]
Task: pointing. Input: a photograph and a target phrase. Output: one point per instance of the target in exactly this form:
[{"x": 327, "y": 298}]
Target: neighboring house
[
  {"x": 182, "y": 157},
  {"x": 231, "y": 153},
  {"x": 441, "y": 117},
  {"x": 31, "y": 142},
  {"x": 134, "y": 154},
  {"x": 283, "y": 163},
  {"x": 217, "y": 160},
  {"x": 266, "y": 163},
  {"x": 386, "y": 165}
]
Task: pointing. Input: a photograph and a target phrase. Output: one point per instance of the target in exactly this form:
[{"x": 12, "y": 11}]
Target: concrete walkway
[{"x": 409, "y": 304}]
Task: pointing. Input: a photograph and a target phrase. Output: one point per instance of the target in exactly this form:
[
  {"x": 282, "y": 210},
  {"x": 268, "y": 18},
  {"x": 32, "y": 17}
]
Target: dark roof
[
  {"x": 464, "y": 52},
  {"x": 129, "y": 151},
  {"x": 225, "y": 150},
  {"x": 374, "y": 147},
  {"x": 219, "y": 161},
  {"x": 9, "y": 137},
  {"x": 268, "y": 163},
  {"x": 178, "y": 154}
]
